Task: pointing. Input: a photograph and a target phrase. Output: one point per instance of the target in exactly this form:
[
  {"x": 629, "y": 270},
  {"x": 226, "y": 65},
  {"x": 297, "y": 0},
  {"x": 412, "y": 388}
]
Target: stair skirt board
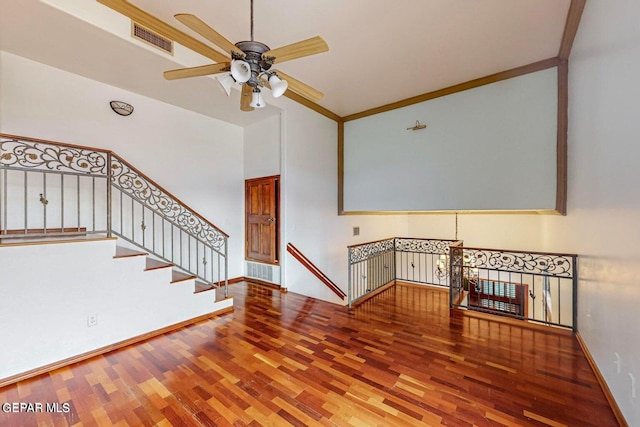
[{"x": 264, "y": 272}]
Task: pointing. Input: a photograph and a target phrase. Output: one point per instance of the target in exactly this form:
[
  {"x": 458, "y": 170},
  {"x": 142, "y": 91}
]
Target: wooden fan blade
[
  {"x": 307, "y": 47},
  {"x": 245, "y": 98},
  {"x": 200, "y": 27},
  {"x": 300, "y": 88},
  {"x": 151, "y": 22},
  {"x": 203, "y": 70}
]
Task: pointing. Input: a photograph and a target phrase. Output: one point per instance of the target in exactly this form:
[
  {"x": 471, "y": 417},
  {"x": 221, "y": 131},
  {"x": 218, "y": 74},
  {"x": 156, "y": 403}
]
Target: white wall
[
  {"x": 197, "y": 158},
  {"x": 310, "y": 200},
  {"x": 603, "y": 207},
  {"x": 262, "y": 148},
  {"x": 45, "y": 309},
  {"x": 492, "y": 147},
  {"x": 498, "y": 231}
]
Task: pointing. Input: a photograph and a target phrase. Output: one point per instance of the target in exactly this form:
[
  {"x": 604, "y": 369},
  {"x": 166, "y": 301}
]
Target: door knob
[{"x": 271, "y": 219}]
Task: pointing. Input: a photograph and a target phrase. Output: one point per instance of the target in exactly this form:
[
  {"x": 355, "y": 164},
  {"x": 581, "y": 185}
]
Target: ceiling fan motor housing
[{"x": 253, "y": 56}]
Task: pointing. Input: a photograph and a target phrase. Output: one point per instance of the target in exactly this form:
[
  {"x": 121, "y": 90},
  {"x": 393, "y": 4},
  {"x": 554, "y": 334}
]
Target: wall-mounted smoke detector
[{"x": 152, "y": 38}]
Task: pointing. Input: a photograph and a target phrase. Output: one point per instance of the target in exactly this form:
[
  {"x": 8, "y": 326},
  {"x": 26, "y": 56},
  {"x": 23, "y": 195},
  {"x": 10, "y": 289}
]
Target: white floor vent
[{"x": 267, "y": 272}]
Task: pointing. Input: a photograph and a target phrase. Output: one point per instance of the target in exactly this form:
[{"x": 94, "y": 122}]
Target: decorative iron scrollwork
[
  {"x": 369, "y": 250},
  {"x": 42, "y": 156},
  {"x": 136, "y": 186},
  {"x": 426, "y": 246},
  {"x": 522, "y": 262}
]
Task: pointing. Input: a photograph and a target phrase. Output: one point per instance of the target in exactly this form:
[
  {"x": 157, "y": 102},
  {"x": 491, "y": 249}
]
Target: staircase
[
  {"x": 177, "y": 276},
  {"x": 94, "y": 255},
  {"x": 49, "y": 189}
]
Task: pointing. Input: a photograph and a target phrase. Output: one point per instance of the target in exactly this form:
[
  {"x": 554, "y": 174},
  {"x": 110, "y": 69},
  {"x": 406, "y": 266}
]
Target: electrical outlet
[
  {"x": 92, "y": 320},
  {"x": 356, "y": 231}
]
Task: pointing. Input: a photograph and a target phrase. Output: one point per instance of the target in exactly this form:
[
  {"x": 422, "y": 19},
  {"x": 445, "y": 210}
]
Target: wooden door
[{"x": 262, "y": 219}]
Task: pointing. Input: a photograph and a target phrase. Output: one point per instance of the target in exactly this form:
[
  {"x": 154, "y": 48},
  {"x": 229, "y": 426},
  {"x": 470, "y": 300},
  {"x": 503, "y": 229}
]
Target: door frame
[{"x": 277, "y": 235}]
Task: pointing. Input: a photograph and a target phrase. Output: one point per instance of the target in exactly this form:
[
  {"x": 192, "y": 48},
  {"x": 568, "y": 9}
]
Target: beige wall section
[
  {"x": 603, "y": 206},
  {"x": 495, "y": 231},
  {"x": 262, "y": 148},
  {"x": 492, "y": 147}
]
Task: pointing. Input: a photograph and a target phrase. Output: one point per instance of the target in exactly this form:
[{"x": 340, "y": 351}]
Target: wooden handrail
[
  {"x": 295, "y": 252},
  {"x": 100, "y": 150}
]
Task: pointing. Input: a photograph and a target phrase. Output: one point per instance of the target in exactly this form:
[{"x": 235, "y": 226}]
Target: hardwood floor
[{"x": 284, "y": 359}]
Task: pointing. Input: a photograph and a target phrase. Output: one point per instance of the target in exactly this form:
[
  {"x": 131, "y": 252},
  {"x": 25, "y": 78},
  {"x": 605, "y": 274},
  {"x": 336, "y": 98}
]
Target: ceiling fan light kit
[{"x": 249, "y": 62}]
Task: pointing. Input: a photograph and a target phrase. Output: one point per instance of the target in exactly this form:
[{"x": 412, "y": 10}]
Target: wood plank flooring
[{"x": 283, "y": 359}]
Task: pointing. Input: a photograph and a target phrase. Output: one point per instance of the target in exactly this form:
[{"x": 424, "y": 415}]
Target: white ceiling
[{"x": 379, "y": 51}]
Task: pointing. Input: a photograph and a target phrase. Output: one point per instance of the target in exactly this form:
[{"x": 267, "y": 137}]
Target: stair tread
[
  {"x": 122, "y": 252},
  {"x": 154, "y": 264},
  {"x": 203, "y": 286},
  {"x": 177, "y": 276}
]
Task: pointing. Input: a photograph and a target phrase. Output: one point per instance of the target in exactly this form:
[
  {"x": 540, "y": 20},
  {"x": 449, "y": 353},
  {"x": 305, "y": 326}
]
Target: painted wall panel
[
  {"x": 489, "y": 148},
  {"x": 262, "y": 148},
  {"x": 603, "y": 207},
  {"x": 49, "y": 291}
]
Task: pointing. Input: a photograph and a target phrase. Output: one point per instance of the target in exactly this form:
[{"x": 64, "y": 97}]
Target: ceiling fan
[{"x": 247, "y": 62}]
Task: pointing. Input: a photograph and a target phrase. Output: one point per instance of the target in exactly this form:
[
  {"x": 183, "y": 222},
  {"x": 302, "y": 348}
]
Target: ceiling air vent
[{"x": 154, "y": 39}]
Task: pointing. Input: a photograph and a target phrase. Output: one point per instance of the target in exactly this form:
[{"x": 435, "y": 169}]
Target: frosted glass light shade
[
  {"x": 226, "y": 81},
  {"x": 240, "y": 70},
  {"x": 258, "y": 100},
  {"x": 278, "y": 86}
]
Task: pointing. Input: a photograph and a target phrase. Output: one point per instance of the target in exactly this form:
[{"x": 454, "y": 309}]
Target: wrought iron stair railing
[{"x": 50, "y": 189}]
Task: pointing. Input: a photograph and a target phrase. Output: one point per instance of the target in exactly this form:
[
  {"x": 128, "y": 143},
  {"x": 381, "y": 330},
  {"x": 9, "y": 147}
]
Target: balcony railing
[
  {"x": 374, "y": 265},
  {"x": 49, "y": 189},
  {"x": 533, "y": 286}
]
